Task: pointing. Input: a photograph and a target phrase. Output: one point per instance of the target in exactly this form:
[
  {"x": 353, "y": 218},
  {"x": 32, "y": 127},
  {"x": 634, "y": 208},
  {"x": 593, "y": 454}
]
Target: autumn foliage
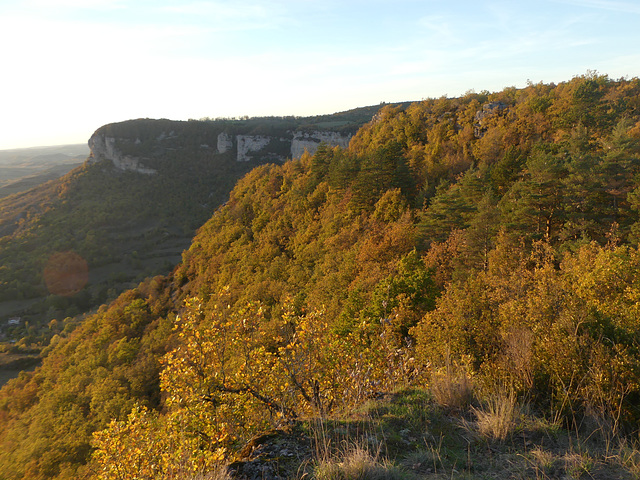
[{"x": 494, "y": 233}]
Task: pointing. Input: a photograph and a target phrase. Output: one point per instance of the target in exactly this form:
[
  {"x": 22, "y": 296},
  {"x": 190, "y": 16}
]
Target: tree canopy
[{"x": 495, "y": 231}]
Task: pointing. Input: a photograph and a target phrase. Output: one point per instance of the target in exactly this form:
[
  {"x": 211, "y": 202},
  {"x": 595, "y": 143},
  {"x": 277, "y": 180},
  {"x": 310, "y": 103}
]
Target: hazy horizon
[{"x": 75, "y": 65}]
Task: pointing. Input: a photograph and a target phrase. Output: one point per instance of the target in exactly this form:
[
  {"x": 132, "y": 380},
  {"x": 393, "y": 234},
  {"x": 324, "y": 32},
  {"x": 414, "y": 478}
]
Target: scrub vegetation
[{"x": 455, "y": 295}]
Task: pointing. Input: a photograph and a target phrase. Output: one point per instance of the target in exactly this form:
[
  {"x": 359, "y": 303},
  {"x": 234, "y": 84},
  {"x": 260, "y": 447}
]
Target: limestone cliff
[
  {"x": 225, "y": 142},
  {"x": 311, "y": 141},
  {"x": 260, "y": 148},
  {"x": 252, "y": 147},
  {"x": 104, "y": 147},
  {"x": 249, "y": 144},
  {"x": 150, "y": 146}
]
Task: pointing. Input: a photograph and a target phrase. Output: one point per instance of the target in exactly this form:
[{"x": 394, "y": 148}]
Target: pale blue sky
[{"x": 70, "y": 66}]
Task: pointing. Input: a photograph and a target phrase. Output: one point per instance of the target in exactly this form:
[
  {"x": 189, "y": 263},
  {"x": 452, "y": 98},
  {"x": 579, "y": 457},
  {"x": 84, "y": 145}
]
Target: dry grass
[
  {"x": 357, "y": 463},
  {"x": 519, "y": 355},
  {"x": 578, "y": 464},
  {"x": 219, "y": 473},
  {"x": 543, "y": 459},
  {"x": 497, "y": 418},
  {"x": 452, "y": 388},
  {"x": 628, "y": 457},
  {"x": 447, "y": 444}
]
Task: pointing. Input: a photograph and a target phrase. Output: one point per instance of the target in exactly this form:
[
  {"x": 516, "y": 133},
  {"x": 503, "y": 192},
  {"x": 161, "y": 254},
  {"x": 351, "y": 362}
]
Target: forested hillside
[
  {"x": 489, "y": 240},
  {"x": 120, "y": 225}
]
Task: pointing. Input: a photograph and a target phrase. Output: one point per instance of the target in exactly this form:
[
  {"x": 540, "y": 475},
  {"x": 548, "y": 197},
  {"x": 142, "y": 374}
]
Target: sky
[{"x": 68, "y": 67}]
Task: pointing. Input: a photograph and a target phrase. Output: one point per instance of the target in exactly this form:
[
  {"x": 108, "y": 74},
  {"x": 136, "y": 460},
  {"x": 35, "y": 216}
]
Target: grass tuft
[
  {"x": 219, "y": 473},
  {"x": 452, "y": 388},
  {"x": 497, "y": 418},
  {"x": 629, "y": 458},
  {"x": 357, "y": 463},
  {"x": 543, "y": 460},
  {"x": 415, "y": 437}
]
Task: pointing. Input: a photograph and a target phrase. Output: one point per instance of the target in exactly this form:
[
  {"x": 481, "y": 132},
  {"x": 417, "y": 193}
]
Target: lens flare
[{"x": 66, "y": 273}]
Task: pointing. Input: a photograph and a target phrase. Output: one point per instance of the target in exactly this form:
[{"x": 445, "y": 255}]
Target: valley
[
  {"x": 23, "y": 169},
  {"x": 132, "y": 207}
]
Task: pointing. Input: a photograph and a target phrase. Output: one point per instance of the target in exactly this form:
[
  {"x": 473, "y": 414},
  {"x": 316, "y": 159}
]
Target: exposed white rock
[
  {"x": 103, "y": 147},
  {"x": 488, "y": 110},
  {"x": 311, "y": 141},
  {"x": 248, "y": 144},
  {"x": 127, "y": 162},
  {"x": 225, "y": 142},
  {"x": 249, "y": 147}
]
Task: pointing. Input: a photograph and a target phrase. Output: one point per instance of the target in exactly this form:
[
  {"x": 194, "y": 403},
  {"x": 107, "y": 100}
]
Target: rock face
[
  {"x": 140, "y": 145},
  {"x": 488, "y": 111},
  {"x": 248, "y": 144},
  {"x": 225, "y": 142},
  {"x": 311, "y": 141},
  {"x": 105, "y": 148}
]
